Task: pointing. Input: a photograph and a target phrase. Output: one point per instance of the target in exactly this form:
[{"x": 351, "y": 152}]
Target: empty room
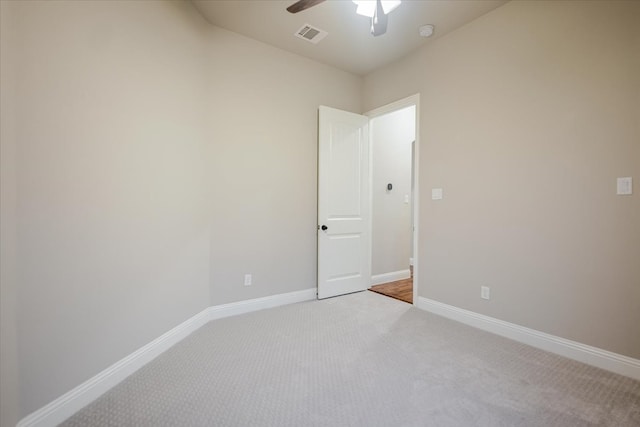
[{"x": 197, "y": 197}]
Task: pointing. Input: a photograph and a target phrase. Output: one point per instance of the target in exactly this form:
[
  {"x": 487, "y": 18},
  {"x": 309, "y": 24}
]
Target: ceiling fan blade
[
  {"x": 301, "y": 5},
  {"x": 379, "y": 20}
]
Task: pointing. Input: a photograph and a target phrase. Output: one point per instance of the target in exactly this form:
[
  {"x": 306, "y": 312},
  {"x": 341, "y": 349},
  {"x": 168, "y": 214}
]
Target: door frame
[{"x": 413, "y": 100}]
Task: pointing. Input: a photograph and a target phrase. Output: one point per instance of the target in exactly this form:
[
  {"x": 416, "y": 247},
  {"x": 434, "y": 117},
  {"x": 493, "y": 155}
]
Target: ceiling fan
[{"x": 378, "y": 13}]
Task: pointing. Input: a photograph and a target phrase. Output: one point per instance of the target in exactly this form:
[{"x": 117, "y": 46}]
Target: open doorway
[{"x": 393, "y": 136}]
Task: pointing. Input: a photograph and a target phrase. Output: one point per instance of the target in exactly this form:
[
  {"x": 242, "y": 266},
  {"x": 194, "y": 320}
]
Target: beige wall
[
  {"x": 9, "y": 400},
  {"x": 150, "y": 161},
  {"x": 264, "y": 164},
  {"x": 528, "y": 115},
  {"x": 157, "y": 159},
  {"x": 113, "y": 233}
]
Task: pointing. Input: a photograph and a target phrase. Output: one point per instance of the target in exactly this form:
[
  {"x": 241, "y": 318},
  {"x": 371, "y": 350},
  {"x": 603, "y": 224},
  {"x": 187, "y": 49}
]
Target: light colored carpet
[{"x": 360, "y": 360}]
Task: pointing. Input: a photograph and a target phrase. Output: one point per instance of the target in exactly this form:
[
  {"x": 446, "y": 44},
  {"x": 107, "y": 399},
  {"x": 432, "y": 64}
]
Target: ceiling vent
[{"x": 310, "y": 33}]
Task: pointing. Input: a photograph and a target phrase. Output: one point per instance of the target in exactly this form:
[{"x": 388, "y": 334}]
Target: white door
[{"x": 343, "y": 203}]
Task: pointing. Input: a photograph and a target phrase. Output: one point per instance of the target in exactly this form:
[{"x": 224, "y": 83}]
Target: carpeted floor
[{"x": 360, "y": 360}]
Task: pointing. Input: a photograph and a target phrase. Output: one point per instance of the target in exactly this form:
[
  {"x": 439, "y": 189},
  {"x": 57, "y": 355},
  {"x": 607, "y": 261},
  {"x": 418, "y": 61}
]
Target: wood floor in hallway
[{"x": 401, "y": 289}]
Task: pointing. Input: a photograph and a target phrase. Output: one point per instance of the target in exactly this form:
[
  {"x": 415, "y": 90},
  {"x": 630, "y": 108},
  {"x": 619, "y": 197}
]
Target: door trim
[{"x": 413, "y": 100}]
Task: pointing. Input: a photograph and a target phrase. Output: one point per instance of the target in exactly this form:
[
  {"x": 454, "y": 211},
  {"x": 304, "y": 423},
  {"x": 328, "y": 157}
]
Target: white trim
[
  {"x": 394, "y": 106},
  {"x": 241, "y": 307},
  {"x": 71, "y": 402},
  {"x": 594, "y": 356},
  {"x": 377, "y": 279}
]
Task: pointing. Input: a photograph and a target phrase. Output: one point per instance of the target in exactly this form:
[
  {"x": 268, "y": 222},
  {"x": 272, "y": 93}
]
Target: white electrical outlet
[
  {"x": 624, "y": 186},
  {"x": 247, "y": 280},
  {"x": 485, "y": 292}
]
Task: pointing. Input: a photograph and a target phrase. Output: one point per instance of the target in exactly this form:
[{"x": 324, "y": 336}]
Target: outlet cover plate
[{"x": 624, "y": 186}]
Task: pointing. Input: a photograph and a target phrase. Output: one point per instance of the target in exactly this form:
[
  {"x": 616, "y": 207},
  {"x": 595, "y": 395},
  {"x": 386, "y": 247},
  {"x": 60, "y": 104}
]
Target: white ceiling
[{"x": 349, "y": 45}]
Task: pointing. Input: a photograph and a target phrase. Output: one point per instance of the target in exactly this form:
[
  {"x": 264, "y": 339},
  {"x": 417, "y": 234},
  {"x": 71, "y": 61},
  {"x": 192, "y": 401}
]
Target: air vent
[{"x": 310, "y": 33}]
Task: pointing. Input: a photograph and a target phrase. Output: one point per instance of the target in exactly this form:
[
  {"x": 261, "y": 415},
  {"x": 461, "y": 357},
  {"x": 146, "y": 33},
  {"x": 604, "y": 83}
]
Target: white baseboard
[
  {"x": 69, "y": 403},
  {"x": 594, "y": 356},
  {"x": 240, "y": 307},
  {"x": 377, "y": 279}
]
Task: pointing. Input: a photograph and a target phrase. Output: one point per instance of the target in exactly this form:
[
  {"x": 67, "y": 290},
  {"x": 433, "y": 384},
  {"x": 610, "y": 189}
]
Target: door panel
[{"x": 343, "y": 203}]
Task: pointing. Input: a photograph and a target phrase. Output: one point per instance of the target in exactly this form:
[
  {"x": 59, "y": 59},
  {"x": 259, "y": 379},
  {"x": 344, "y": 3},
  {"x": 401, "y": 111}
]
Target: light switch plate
[
  {"x": 624, "y": 186},
  {"x": 436, "y": 194}
]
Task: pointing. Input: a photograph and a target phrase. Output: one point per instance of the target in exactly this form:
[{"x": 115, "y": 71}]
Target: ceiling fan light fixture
[{"x": 368, "y": 7}]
